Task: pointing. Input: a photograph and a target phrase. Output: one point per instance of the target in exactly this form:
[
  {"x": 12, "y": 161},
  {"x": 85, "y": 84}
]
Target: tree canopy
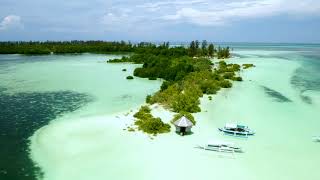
[{"x": 104, "y": 47}]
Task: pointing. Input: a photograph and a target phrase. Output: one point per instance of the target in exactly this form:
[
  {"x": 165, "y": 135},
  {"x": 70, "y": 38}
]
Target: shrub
[
  {"x": 122, "y": 60},
  {"x": 228, "y": 75},
  {"x": 148, "y": 124},
  {"x": 186, "y": 102},
  {"x": 225, "y": 84},
  {"x": 148, "y": 99},
  {"x": 129, "y": 77},
  {"x": 222, "y": 64},
  {"x": 167, "y": 96},
  {"x": 213, "y": 89},
  {"x": 124, "y": 69},
  {"x": 246, "y": 66},
  {"x": 165, "y": 85},
  {"x": 236, "y": 67},
  {"x": 152, "y": 126},
  {"x": 237, "y": 78},
  {"x": 144, "y": 112}
]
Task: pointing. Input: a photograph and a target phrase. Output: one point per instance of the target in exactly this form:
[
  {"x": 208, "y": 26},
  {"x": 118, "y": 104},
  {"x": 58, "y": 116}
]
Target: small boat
[
  {"x": 221, "y": 146},
  {"x": 237, "y": 129},
  {"x": 316, "y": 138}
]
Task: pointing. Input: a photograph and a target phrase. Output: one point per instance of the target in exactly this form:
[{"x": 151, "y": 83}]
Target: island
[{"x": 188, "y": 71}]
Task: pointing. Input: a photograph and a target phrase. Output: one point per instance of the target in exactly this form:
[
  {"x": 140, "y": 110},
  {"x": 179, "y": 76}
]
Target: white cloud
[
  {"x": 124, "y": 19},
  {"x": 158, "y": 5},
  {"x": 116, "y": 20},
  {"x": 221, "y": 13},
  {"x": 209, "y": 12},
  {"x": 11, "y": 22}
]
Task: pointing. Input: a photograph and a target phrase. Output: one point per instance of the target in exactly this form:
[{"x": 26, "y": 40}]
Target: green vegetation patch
[
  {"x": 129, "y": 77},
  {"x": 149, "y": 124},
  {"x": 188, "y": 73},
  {"x": 183, "y": 95},
  {"x": 246, "y": 66},
  {"x": 60, "y": 47}
]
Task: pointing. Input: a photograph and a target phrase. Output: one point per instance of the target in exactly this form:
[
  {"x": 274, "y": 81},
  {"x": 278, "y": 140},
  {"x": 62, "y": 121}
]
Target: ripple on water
[
  {"x": 306, "y": 77},
  {"x": 277, "y": 96}
]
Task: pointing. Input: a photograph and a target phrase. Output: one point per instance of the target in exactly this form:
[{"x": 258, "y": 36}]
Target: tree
[
  {"x": 204, "y": 48},
  {"x": 192, "y": 49},
  {"x": 197, "y": 44},
  {"x": 211, "y": 50},
  {"x": 167, "y": 45}
]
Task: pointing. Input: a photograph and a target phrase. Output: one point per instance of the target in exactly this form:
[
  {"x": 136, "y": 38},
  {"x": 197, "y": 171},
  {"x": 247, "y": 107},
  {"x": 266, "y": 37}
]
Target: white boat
[
  {"x": 221, "y": 146},
  {"x": 237, "y": 129},
  {"x": 316, "y": 138}
]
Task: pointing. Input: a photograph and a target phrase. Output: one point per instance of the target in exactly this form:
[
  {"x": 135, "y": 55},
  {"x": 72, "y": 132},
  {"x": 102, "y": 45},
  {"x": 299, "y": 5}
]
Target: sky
[{"x": 293, "y": 21}]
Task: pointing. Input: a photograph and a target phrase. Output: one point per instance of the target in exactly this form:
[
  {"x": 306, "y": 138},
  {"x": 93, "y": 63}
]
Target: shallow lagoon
[{"x": 88, "y": 141}]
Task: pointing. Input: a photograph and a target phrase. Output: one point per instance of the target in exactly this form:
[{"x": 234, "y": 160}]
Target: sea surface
[{"x": 63, "y": 117}]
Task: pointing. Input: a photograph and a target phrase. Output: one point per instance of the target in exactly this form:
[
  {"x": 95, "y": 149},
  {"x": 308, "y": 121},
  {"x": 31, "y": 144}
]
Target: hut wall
[
  {"x": 188, "y": 129},
  {"x": 177, "y": 129}
]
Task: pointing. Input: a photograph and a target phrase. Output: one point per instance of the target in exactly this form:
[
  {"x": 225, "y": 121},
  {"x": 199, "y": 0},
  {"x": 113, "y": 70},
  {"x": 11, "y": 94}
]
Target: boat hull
[
  {"x": 237, "y": 133},
  {"x": 226, "y": 150},
  {"x": 222, "y": 149},
  {"x": 316, "y": 139}
]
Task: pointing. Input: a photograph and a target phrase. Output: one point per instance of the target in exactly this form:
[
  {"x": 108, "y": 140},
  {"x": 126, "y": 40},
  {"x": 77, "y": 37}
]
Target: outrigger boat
[
  {"x": 316, "y": 138},
  {"x": 221, "y": 147},
  {"x": 237, "y": 129}
]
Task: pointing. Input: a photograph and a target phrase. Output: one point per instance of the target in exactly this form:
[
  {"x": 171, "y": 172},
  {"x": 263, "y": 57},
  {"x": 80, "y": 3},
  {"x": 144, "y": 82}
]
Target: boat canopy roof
[
  {"x": 183, "y": 122},
  {"x": 234, "y": 125},
  {"x": 231, "y": 125}
]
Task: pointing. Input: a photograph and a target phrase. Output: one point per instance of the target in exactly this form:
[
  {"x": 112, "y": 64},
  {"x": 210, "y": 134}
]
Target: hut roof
[{"x": 183, "y": 122}]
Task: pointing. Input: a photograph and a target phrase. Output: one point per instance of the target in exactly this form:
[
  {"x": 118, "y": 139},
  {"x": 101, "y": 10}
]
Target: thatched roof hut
[{"x": 183, "y": 125}]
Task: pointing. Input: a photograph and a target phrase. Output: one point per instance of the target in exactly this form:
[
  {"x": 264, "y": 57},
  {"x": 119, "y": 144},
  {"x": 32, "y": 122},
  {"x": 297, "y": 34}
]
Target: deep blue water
[{"x": 21, "y": 114}]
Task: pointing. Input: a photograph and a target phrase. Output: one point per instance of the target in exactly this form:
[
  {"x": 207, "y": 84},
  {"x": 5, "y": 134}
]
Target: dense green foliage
[
  {"x": 187, "y": 78},
  {"x": 58, "y": 47},
  {"x": 148, "y": 98},
  {"x": 188, "y": 75},
  {"x": 181, "y": 94},
  {"x": 149, "y": 124},
  {"x": 246, "y": 66},
  {"x": 152, "y": 78},
  {"x": 185, "y": 114},
  {"x": 152, "y": 52},
  {"x": 171, "y": 69},
  {"x": 223, "y": 53},
  {"x": 65, "y": 47}
]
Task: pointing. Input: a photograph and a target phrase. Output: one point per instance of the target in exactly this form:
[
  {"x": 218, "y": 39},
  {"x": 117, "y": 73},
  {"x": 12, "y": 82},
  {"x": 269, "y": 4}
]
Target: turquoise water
[
  {"x": 35, "y": 90},
  {"x": 63, "y": 118}
]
